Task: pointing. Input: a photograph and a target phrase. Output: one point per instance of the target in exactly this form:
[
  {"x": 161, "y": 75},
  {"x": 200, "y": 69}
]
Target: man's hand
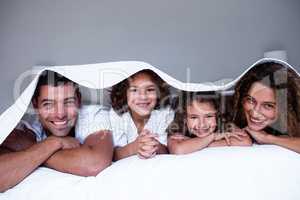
[{"x": 67, "y": 142}]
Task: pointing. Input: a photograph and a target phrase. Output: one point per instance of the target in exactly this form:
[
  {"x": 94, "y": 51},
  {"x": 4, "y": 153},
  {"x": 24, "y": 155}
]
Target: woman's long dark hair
[{"x": 285, "y": 83}]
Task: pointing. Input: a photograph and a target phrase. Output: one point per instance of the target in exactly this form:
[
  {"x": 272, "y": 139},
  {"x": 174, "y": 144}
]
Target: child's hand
[
  {"x": 147, "y": 144},
  {"x": 227, "y": 135}
]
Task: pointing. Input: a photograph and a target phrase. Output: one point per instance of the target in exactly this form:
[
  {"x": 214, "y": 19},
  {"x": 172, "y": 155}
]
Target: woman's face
[
  {"x": 201, "y": 118},
  {"x": 260, "y": 106},
  {"x": 141, "y": 95}
]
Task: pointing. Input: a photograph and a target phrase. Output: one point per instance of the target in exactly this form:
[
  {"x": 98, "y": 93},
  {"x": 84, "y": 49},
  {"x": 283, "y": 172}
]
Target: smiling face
[
  {"x": 141, "y": 95},
  {"x": 57, "y": 108},
  {"x": 260, "y": 106},
  {"x": 201, "y": 118}
]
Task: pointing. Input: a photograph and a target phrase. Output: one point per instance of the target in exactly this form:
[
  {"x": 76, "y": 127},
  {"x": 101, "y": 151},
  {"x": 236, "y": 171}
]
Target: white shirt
[
  {"x": 91, "y": 118},
  {"x": 124, "y": 130}
]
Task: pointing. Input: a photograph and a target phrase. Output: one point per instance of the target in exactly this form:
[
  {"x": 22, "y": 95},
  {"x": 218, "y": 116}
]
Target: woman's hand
[{"x": 261, "y": 137}]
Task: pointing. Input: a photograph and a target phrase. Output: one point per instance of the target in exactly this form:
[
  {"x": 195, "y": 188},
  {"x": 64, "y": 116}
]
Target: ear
[
  {"x": 79, "y": 99},
  {"x": 34, "y": 103}
]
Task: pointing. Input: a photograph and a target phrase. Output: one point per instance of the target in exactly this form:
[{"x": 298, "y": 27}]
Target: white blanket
[
  {"x": 103, "y": 75},
  {"x": 260, "y": 172}
]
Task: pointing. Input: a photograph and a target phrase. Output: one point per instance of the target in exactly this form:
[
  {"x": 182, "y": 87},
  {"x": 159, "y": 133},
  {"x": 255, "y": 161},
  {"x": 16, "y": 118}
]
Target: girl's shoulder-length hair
[
  {"x": 286, "y": 84},
  {"x": 118, "y": 93}
]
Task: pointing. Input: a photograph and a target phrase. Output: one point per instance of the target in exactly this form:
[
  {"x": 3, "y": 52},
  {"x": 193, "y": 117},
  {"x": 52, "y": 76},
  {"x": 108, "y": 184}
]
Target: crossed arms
[{"x": 20, "y": 155}]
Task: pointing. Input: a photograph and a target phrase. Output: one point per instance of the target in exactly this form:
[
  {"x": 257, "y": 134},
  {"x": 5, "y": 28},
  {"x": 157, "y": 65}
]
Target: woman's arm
[
  {"x": 261, "y": 137},
  {"x": 292, "y": 143}
]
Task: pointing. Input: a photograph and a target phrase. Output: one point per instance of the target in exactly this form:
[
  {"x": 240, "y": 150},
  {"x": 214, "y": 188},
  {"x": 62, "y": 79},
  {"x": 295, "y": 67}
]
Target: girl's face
[
  {"x": 141, "y": 95},
  {"x": 260, "y": 106},
  {"x": 201, "y": 118}
]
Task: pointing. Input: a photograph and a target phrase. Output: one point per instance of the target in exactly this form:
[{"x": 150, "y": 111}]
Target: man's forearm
[
  {"x": 15, "y": 166},
  {"x": 87, "y": 160}
]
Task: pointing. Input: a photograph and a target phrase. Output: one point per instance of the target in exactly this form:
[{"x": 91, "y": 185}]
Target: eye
[
  {"x": 70, "y": 102},
  {"x": 193, "y": 117},
  {"x": 152, "y": 89},
  {"x": 211, "y": 115},
  {"x": 250, "y": 100},
  {"x": 47, "y": 105},
  {"x": 133, "y": 90},
  {"x": 268, "y": 106}
]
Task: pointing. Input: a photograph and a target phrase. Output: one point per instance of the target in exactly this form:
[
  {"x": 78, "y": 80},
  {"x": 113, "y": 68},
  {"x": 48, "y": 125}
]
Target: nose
[
  {"x": 255, "y": 111},
  {"x": 142, "y": 94},
  {"x": 201, "y": 123},
  {"x": 60, "y": 111}
]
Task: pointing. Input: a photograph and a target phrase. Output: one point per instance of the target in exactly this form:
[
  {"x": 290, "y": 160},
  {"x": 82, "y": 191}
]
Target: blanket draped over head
[{"x": 103, "y": 75}]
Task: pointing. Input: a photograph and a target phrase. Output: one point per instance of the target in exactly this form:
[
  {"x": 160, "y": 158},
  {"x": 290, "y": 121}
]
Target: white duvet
[
  {"x": 258, "y": 172},
  {"x": 248, "y": 173}
]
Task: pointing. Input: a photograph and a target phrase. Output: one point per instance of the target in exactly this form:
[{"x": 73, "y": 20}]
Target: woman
[{"x": 266, "y": 105}]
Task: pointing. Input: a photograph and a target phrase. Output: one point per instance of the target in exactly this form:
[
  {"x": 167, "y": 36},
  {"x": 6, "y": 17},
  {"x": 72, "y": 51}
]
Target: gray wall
[{"x": 215, "y": 39}]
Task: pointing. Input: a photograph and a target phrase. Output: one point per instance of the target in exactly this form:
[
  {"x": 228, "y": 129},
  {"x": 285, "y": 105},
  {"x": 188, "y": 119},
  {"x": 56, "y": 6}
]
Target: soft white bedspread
[{"x": 258, "y": 172}]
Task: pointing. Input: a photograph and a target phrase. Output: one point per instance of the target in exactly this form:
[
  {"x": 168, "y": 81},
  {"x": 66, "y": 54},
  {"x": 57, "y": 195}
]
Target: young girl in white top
[
  {"x": 195, "y": 126},
  {"x": 140, "y": 115}
]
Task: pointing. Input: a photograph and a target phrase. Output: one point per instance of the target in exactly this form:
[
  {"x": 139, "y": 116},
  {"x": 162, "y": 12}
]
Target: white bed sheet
[{"x": 261, "y": 172}]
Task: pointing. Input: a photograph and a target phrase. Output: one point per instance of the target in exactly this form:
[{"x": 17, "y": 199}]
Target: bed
[{"x": 259, "y": 172}]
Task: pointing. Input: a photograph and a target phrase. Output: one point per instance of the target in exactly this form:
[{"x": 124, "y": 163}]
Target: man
[{"x": 49, "y": 139}]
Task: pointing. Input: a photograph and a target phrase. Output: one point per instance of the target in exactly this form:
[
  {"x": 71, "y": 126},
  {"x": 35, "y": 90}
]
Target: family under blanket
[{"x": 84, "y": 140}]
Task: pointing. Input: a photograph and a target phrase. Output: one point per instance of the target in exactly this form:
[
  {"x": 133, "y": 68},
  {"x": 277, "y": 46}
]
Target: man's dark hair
[{"x": 53, "y": 79}]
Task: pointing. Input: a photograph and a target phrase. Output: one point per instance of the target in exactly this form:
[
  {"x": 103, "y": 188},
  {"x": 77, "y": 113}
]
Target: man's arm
[
  {"x": 87, "y": 160},
  {"x": 19, "y": 159}
]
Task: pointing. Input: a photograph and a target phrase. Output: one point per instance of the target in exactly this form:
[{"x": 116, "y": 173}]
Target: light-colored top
[
  {"x": 124, "y": 130},
  {"x": 31, "y": 122},
  {"x": 91, "y": 118}
]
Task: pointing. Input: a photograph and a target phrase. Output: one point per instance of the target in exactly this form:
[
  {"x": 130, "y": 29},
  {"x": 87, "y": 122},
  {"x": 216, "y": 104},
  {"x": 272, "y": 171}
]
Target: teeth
[
  {"x": 60, "y": 123},
  {"x": 143, "y": 104}
]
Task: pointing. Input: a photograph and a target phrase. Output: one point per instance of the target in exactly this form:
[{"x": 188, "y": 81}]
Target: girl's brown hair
[
  {"x": 285, "y": 83},
  {"x": 118, "y": 94},
  {"x": 179, "y": 124}
]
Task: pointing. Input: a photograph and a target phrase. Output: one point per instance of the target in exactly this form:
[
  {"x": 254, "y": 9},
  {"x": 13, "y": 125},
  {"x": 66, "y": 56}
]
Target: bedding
[{"x": 258, "y": 172}]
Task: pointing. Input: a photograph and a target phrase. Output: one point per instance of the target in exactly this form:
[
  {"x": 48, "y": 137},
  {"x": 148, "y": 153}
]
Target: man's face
[{"x": 57, "y": 108}]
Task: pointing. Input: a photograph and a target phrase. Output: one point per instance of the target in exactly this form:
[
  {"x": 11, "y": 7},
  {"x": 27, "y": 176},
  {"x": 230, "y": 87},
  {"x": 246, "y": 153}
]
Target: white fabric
[
  {"x": 264, "y": 172},
  {"x": 91, "y": 118},
  {"x": 103, "y": 75},
  {"x": 124, "y": 130}
]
